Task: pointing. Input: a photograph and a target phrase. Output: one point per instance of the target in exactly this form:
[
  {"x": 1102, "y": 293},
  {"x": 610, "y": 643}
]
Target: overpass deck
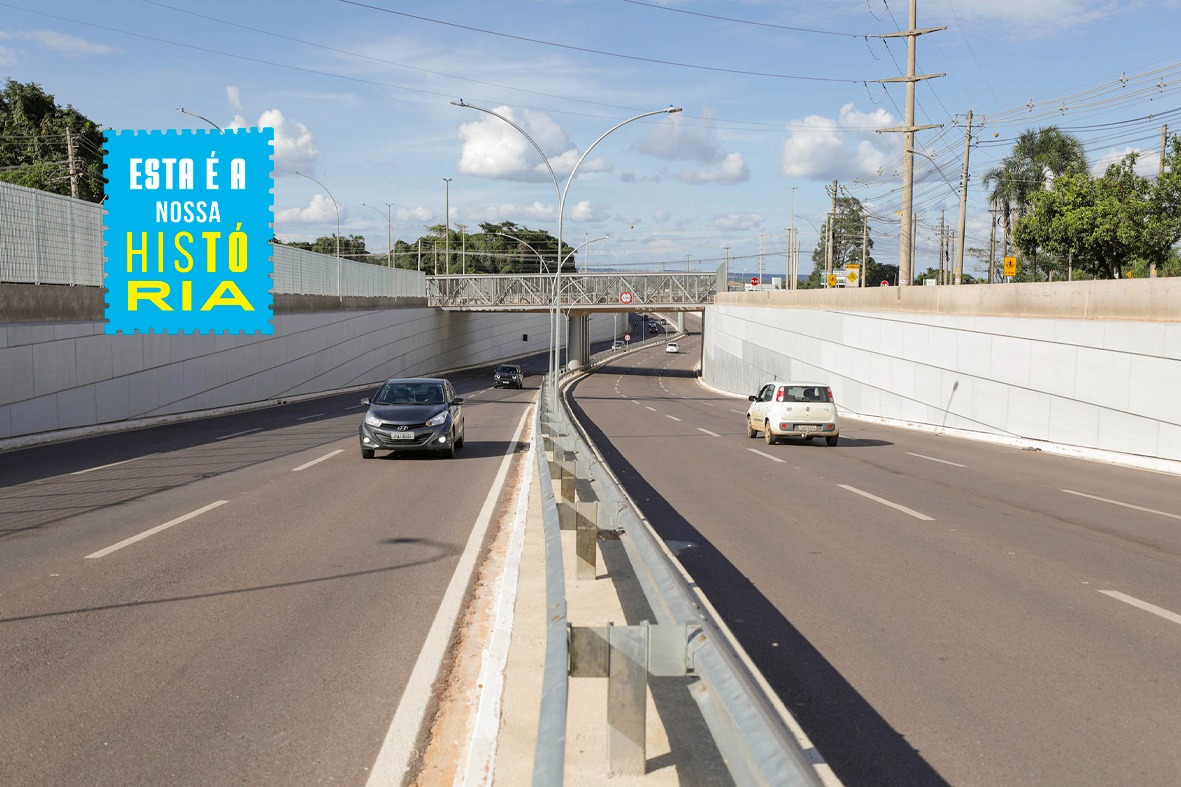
[{"x": 580, "y": 292}]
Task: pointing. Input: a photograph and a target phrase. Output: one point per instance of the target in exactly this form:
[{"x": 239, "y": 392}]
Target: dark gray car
[
  {"x": 413, "y": 414},
  {"x": 508, "y": 374}
]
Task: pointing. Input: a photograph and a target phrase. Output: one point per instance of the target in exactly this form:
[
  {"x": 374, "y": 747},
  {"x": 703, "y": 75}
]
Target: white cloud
[
  {"x": 235, "y": 98},
  {"x": 738, "y": 221},
  {"x": 295, "y": 147},
  {"x": 675, "y": 139},
  {"x": 661, "y": 216},
  {"x": 584, "y": 211},
  {"x": 420, "y": 215},
  {"x": 1146, "y": 166},
  {"x": 7, "y": 56},
  {"x": 60, "y": 43},
  {"x": 731, "y": 169},
  {"x": 319, "y": 211},
  {"x": 494, "y": 149},
  {"x": 1021, "y": 19},
  {"x": 843, "y": 148}
]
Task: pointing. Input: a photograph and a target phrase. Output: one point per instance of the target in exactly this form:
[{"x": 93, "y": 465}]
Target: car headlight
[
  {"x": 438, "y": 420},
  {"x": 372, "y": 419}
]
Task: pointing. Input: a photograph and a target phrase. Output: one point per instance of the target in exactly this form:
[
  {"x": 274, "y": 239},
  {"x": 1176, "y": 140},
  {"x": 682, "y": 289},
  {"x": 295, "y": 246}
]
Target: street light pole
[
  {"x": 447, "y": 217},
  {"x": 562, "y": 194},
  {"x": 389, "y": 262},
  {"x": 199, "y": 117},
  {"x": 339, "y": 295}
]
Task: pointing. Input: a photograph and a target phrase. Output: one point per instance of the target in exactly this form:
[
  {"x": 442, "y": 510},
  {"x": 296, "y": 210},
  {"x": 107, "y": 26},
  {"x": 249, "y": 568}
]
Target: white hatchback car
[
  {"x": 672, "y": 347},
  {"x": 804, "y": 410}
]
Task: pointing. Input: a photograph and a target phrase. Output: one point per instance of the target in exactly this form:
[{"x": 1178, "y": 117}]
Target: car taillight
[{"x": 829, "y": 390}]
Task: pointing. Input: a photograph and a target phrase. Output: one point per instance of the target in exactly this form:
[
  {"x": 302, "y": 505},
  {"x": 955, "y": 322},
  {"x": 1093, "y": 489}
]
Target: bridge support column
[
  {"x": 680, "y": 322},
  {"x": 577, "y": 340}
]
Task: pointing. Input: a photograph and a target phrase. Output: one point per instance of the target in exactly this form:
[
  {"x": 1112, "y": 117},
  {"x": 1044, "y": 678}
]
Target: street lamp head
[{"x": 673, "y": 110}]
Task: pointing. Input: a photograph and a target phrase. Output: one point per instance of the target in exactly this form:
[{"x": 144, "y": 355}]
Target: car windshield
[
  {"x": 507, "y": 370},
  {"x": 409, "y": 393}
]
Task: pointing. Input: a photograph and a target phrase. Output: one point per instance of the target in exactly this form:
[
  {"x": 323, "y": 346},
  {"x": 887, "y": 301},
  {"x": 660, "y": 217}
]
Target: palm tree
[{"x": 1037, "y": 156}]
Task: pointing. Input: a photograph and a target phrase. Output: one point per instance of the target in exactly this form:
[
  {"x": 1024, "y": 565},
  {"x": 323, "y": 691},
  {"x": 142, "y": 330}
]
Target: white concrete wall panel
[
  {"x": 1110, "y": 385},
  {"x": 67, "y": 375}
]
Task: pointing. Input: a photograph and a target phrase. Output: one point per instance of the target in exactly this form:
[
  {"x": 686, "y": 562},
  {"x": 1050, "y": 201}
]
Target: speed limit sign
[{"x": 625, "y": 297}]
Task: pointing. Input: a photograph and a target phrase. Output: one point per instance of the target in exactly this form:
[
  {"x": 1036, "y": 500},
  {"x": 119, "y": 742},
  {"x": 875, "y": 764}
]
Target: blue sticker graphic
[{"x": 188, "y": 230}]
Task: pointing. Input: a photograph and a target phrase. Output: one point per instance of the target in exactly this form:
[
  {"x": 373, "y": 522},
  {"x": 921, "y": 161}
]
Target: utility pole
[
  {"x": 831, "y": 235},
  {"x": 992, "y": 247},
  {"x": 792, "y": 274},
  {"x": 864, "y": 249},
  {"x": 446, "y": 210},
  {"x": 942, "y": 243},
  {"x": 1164, "y": 142},
  {"x": 761, "y": 282},
  {"x": 905, "y": 250},
  {"x": 963, "y": 229},
  {"x": 74, "y": 166}
]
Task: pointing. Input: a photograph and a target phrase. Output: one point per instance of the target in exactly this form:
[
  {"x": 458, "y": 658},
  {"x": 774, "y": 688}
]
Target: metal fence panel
[{"x": 49, "y": 239}]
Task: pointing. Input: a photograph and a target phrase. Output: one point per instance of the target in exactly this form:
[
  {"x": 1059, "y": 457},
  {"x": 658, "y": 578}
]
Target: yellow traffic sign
[
  {"x": 1010, "y": 266},
  {"x": 832, "y": 280},
  {"x": 851, "y": 276}
]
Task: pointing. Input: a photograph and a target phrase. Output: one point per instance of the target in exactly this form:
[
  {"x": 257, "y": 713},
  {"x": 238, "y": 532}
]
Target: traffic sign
[
  {"x": 1010, "y": 266},
  {"x": 625, "y": 297},
  {"x": 832, "y": 280},
  {"x": 754, "y": 281},
  {"x": 851, "y": 275},
  {"x": 627, "y": 337}
]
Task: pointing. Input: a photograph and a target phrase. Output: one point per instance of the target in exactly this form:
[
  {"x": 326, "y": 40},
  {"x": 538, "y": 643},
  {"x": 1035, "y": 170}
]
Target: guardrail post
[
  {"x": 627, "y": 699},
  {"x": 585, "y": 545}
]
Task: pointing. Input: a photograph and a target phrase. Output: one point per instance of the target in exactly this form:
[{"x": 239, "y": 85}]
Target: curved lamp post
[
  {"x": 199, "y": 117},
  {"x": 389, "y": 262},
  {"x": 561, "y": 195},
  {"x": 337, "y": 207}
]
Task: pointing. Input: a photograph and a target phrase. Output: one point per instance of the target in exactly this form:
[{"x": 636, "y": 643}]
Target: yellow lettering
[
  {"x": 133, "y": 252},
  {"x": 186, "y": 296},
  {"x": 236, "y": 299},
  {"x": 183, "y": 268},
  {"x": 154, "y": 291},
  {"x": 211, "y": 250}
]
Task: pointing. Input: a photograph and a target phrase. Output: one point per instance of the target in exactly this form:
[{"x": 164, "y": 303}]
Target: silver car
[{"x": 791, "y": 409}]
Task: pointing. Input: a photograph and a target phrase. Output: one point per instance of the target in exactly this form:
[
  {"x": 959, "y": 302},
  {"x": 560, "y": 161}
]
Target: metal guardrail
[{"x": 745, "y": 722}]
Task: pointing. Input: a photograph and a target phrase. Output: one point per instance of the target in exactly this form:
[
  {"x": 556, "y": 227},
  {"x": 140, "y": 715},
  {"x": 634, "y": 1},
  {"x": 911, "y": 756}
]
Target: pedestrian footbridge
[{"x": 577, "y": 296}]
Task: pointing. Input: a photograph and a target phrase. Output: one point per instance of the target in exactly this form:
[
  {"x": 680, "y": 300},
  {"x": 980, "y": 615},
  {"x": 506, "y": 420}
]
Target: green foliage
[
  {"x": 33, "y": 145},
  {"x": 1102, "y": 226},
  {"x": 847, "y": 236},
  {"x": 482, "y": 252}
]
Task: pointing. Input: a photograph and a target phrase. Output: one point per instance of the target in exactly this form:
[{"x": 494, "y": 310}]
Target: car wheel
[
  {"x": 750, "y": 429},
  {"x": 459, "y": 444},
  {"x": 367, "y": 453},
  {"x": 831, "y": 440},
  {"x": 449, "y": 451},
  {"x": 768, "y": 435}
]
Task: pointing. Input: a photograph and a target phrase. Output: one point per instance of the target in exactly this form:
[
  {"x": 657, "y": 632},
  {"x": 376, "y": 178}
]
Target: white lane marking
[
  {"x": 306, "y": 465},
  {"x": 653, "y": 409},
  {"x": 1125, "y": 505},
  {"x": 398, "y": 747},
  {"x": 740, "y": 412},
  {"x": 104, "y": 467},
  {"x": 237, "y": 434},
  {"x": 707, "y": 404},
  {"x": 768, "y": 456},
  {"x": 708, "y": 432},
  {"x": 666, "y": 415},
  {"x": 933, "y": 459},
  {"x": 306, "y": 417},
  {"x": 633, "y": 401},
  {"x": 153, "y": 531},
  {"x": 885, "y": 502},
  {"x": 354, "y": 406},
  {"x": 1144, "y": 605}
]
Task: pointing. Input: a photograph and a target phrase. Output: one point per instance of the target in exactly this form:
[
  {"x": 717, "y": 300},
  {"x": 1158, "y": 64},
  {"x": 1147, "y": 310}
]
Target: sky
[{"x": 778, "y": 100}]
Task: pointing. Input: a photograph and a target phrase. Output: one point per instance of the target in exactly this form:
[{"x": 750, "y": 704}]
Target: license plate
[
  {"x": 807, "y": 427},
  {"x": 401, "y": 435}
]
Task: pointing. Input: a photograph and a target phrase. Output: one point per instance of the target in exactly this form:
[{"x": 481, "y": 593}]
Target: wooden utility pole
[
  {"x": 905, "y": 245},
  {"x": 963, "y": 228},
  {"x": 831, "y": 236},
  {"x": 864, "y": 249},
  {"x": 942, "y": 242},
  {"x": 992, "y": 248},
  {"x": 1164, "y": 142},
  {"x": 72, "y": 163}
]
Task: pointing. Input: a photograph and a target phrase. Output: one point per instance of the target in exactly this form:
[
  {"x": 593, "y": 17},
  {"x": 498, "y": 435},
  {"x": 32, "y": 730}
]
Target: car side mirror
[
  {"x": 751, "y": 398},
  {"x": 365, "y": 401},
  {"x": 457, "y": 400}
]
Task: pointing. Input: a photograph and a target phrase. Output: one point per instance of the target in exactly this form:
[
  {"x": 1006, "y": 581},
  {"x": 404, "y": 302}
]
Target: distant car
[
  {"x": 672, "y": 347},
  {"x": 413, "y": 414},
  {"x": 790, "y": 409},
  {"x": 663, "y": 321},
  {"x": 653, "y": 329},
  {"x": 508, "y": 375},
  {"x": 617, "y": 345}
]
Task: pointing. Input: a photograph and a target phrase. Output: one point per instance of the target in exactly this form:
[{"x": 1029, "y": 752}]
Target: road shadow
[{"x": 860, "y": 746}]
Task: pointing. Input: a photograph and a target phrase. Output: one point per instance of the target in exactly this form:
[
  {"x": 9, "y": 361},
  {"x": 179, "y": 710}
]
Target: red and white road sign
[
  {"x": 754, "y": 281},
  {"x": 625, "y": 297},
  {"x": 627, "y": 337}
]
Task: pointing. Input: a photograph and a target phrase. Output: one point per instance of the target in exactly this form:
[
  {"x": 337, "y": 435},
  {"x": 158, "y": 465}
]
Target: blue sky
[{"x": 779, "y": 99}]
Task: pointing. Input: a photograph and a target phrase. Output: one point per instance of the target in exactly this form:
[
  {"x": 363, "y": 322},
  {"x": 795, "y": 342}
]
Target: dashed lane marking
[{"x": 883, "y": 501}]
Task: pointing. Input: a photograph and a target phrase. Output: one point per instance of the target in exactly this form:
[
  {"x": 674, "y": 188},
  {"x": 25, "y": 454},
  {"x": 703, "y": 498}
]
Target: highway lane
[
  {"x": 267, "y": 633},
  {"x": 933, "y": 610}
]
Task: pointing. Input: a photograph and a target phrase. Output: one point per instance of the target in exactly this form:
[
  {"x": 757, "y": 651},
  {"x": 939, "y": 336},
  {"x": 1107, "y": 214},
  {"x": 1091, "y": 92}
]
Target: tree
[
  {"x": 848, "y": 227},
  {"x": 34, "y": 148}
]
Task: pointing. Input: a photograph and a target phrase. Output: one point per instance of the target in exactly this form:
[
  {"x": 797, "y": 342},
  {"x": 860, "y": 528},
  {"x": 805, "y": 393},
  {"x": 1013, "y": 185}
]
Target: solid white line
[
  {"x": 1144, "y": 605},
  {"x": 398, "y": 747},
  {"x": 885, "y": 502},
  {"x": 306, "y": 417},
  {"x": 236, "y": 434},
  {"x": 760, "y": 453},
  {"x": 155, "y": 530},
  {"x": 708, "y": 432},
  {"x": 666, "y": 415},
  {"x": 317, "y": 461},
  {"x": 933, "y": 459},
  {"x": 104, "y": 467},
  {"x": 1125, "y": 505}
]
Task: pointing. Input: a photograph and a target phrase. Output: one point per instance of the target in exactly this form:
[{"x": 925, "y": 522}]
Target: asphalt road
[
  {"x": 932, "y": 610},
  {"x": 264, "y": 629}
]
